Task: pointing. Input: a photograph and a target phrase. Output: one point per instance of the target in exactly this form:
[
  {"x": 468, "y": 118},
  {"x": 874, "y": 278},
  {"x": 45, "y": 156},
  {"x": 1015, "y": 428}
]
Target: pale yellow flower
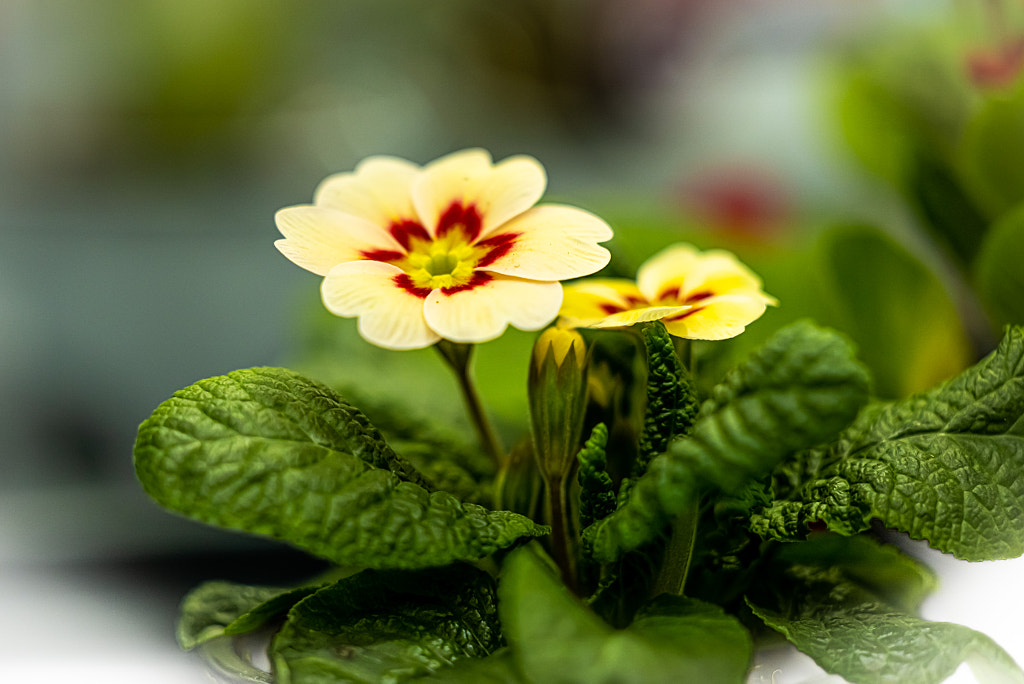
[
  {"x": 697, "y": 295},
  {"x": 454, "y": 250}
]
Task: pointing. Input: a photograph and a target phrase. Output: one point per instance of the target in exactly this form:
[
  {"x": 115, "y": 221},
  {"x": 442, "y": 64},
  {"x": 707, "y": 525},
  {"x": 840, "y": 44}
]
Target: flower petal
[
  {"x": 666, "y": 270},
  {"x": 721, "y": 317},
  {"x": 595, "y": 298},
  {"x": 681, "y": 268},
  {"x": 483, "y": 312},
  {"x": 634, "y": 316},
  {"x": 719, "y": 272},
  {"x": 379, "y": 190},
  {"x": 389, "y": 316},
  {"x": 318, "y": 239},
  {"x": 551, "y": 242},
  {"x": 498, "y": 192}
]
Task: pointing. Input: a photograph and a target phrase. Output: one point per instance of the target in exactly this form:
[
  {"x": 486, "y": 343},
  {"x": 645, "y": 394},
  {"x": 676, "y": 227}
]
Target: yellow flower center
[{"x": 444, "y": 262}]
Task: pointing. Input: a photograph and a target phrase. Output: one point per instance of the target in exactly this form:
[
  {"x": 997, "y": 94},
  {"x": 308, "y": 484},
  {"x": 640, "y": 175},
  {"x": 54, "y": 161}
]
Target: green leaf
[
  {"x": 597, "y": 493},
  {"x": 998, "y": 272},
  {"x": 943, "y": 466},
  {"x": 991, "y": 150},
  {"x": 217, "y": 609},
  {"x": 798, "y": 390},
  {"x": 950, "y": 213},
  {"x": 269, "y": 452},
  {"x": 895, "y": 309},
  {"x": 671, "y": 396},
  {"x": 884, "y": 570},
  {"x": 387, "y": 626},
  {"x": 557, "y": 640},
  {"x": 498, "y": 668},
  {"x": 851, "y": 632}
]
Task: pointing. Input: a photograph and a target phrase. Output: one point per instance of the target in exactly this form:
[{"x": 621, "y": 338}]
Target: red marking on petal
[
  {"x": 668, "y": 293},
  {"x": 407, "y": 230},
  {"x": 697, "y": 296},
  {"x": 679, "y": 317},
  {"x": 476, "y": 280},
  {"x": 405, "y": 282},
  {"x": 497, "y": 246},
  {"x": 610, "y": 309},
  {"x": 385, "y": 255},
  {"x": 459, "y": 216}
]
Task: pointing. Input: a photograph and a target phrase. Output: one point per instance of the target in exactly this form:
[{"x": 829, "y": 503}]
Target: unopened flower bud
[{"x": 558, "y": 400}]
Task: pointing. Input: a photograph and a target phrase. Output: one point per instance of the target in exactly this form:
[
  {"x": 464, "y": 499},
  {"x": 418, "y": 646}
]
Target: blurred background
[{"x": 863, "y": 157}]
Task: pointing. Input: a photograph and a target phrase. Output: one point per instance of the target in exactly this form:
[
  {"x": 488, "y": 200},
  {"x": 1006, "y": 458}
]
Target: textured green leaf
[
  {"x": 944, "y": 466},
  {"x": 851, "y": 632},
  {"x": 557, "y": 640},
  {"x": 895, "y": 309},
  {"x": 497, "y": 668},
  {"x": 389, "y": 626},
  {"x": 216, "y": 609},
  {"x": 884, "y": 570},
  {"x": 597, "y": 493},
  {"x": 671, "y": 396},
  {"x": 998, "y": 272},
  {"x": 798, "y": 390},
  {"x": 269, "y": 452}
]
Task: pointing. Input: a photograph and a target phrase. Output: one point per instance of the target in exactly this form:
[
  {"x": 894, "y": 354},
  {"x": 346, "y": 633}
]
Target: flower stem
[
  {"x": 675, "y": 566},
  {"x": 562, "y": 550},
  {"x": 458, "y": 356}
]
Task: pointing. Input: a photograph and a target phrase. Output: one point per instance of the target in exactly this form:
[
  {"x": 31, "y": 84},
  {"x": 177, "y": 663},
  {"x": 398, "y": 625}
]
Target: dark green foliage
[
  {"x": 942, "y": 466},
  {"x": 798, "y": 390},
  {"x": 597, "y": 494},
  {"x": 387, "y": 626},
  {"x": 671, "y": 396}
]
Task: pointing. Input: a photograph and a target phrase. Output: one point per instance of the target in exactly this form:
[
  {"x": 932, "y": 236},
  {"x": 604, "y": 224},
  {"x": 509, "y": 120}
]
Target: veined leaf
[
  {"x": 269, "y": 452},
  {"x": 851, "y": 632},
  {"x": 597, "y": 493},
  {"x": 943, "y": 466},
  {"x": 390, "y": 626},
  {"x": 671, "y": 396},
  {"x": 798, "y": 390},
  {"x": 216, "y": 609},
  {"x": 557, "y": 640}
]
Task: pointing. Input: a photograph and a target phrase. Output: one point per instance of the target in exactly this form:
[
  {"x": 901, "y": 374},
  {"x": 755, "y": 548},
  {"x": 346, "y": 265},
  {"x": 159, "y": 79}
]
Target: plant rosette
[{"x": 639, "y": 532}]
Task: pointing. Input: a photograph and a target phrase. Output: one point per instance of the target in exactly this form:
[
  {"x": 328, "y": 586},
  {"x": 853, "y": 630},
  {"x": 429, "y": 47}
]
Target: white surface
[{"x": 59, "y": 629}]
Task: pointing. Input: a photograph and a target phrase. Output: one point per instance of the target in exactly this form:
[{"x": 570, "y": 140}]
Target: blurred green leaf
[
  {"x": 895, "y": 309},
  {"x": 992, "y": 149},
  {"x": 216, "y": 609},
  {"x": 999, "y": 269},
  {"x": 949, "y": 214}
]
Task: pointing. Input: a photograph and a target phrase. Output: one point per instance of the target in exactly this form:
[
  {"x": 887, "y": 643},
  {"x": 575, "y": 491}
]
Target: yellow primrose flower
[
  {"x": 697, "y": 295},
  {"x": 454, "y": 250}
]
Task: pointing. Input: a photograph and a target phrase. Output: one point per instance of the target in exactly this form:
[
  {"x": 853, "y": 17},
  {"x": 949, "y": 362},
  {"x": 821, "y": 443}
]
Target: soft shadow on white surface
[{"x": 58, "y": 628}]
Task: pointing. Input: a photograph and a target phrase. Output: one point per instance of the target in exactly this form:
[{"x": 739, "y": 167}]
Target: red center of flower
[{"x": 450, "y": 258}]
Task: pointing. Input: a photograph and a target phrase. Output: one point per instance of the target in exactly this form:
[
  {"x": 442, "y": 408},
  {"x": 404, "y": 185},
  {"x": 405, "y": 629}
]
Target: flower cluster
[{"x": 454, "y": 250}]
